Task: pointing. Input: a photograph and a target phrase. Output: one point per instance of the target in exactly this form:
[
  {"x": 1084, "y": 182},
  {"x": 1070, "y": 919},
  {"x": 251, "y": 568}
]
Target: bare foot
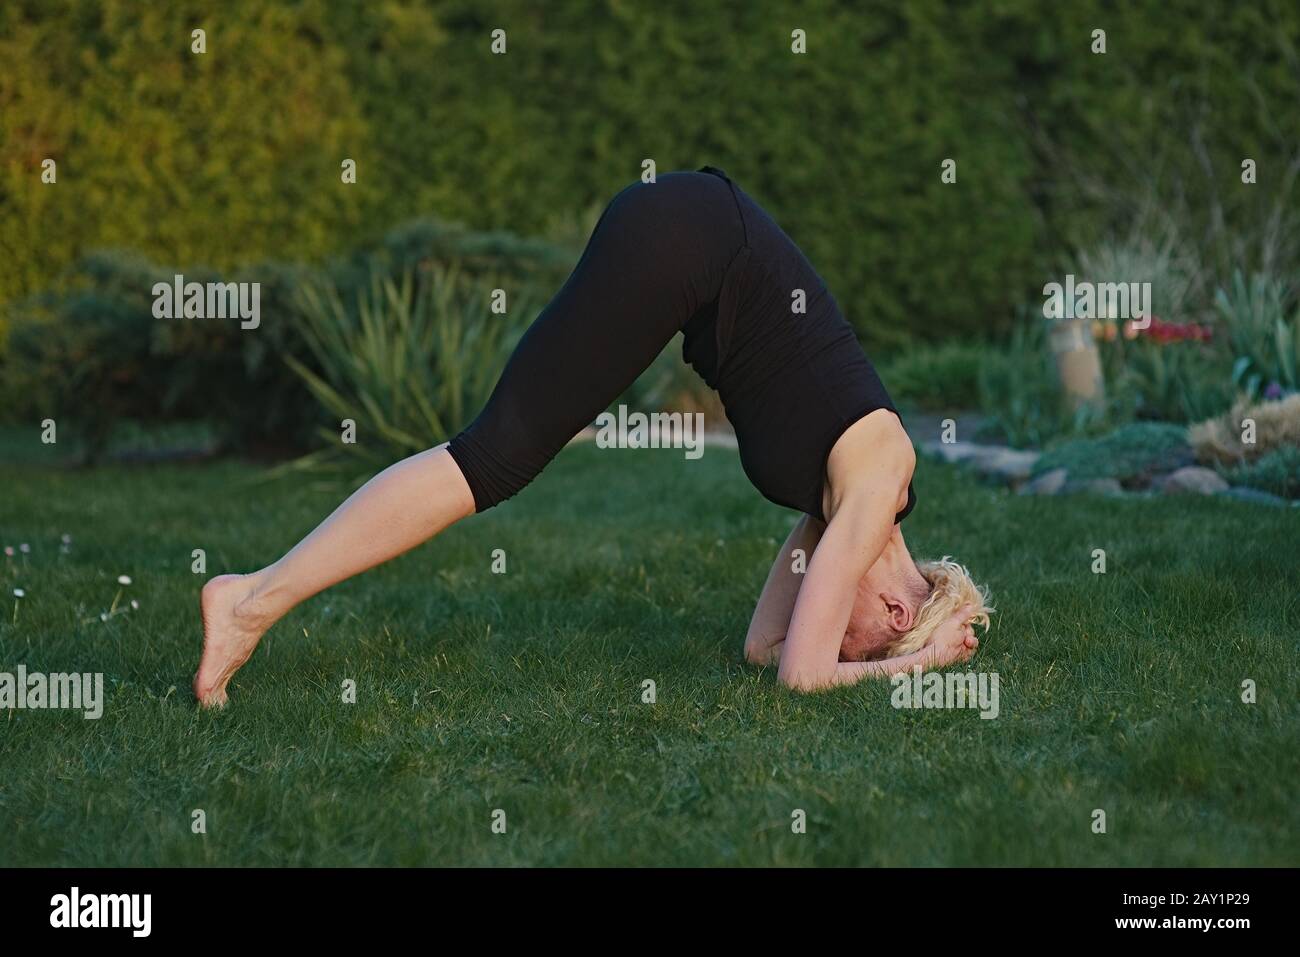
[{"x": 232, "y": 627}]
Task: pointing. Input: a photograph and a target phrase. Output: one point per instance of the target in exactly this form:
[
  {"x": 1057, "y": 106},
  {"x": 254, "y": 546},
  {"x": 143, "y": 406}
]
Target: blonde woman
[{"x": 817, "y": 432}]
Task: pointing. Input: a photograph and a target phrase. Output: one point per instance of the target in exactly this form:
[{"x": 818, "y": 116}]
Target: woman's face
[
  {"x": 882, "y": 612},
  {"x": 868, "y": 633}
]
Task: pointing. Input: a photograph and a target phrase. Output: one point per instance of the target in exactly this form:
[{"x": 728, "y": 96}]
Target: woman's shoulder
[{"x": 874, "y": 450}]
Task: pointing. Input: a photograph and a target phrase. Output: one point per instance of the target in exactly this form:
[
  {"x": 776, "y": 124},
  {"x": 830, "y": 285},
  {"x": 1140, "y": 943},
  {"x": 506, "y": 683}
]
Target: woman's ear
[{"x": 898, "y": 613}]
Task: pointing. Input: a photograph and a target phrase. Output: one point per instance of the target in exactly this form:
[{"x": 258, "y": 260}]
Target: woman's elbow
[
  {"x": 762, "y": 650},
  {"x": 802, "y": 679}
]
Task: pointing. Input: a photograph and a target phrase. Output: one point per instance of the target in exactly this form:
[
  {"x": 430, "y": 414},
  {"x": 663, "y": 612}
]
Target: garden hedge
[{"x": 233, "y": 156}]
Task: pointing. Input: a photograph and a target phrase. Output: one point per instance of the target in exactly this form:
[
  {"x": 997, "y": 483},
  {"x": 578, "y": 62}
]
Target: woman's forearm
[
  {"x": 775, "y": 605},
  {"x": 851, "y": 672}
]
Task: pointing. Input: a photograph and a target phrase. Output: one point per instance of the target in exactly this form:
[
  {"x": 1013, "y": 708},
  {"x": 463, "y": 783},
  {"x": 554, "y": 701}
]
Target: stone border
[{"x": 1015, "y": 468}]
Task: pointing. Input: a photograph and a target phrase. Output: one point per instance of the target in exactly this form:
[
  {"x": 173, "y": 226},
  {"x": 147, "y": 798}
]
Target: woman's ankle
[{"x": 264, "y": 601}]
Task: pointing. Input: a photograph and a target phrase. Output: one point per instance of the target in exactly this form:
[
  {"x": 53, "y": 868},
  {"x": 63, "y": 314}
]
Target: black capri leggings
[{"x": 657, "y": 255}]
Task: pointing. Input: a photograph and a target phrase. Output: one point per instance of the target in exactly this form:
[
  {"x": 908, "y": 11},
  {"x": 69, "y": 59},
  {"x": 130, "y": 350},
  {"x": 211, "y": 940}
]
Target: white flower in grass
[
  {"x": 19, "y": 593},
  {"x": 9, "y": 550},
  {"x": 66, "y": 539},
  {"x": 114, "y": 610},
  {"x": 24, "y": 548}
]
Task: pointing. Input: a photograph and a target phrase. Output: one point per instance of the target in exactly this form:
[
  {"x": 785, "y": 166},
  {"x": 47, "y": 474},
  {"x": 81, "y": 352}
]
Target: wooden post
[{"x": 1077, "y": 361}]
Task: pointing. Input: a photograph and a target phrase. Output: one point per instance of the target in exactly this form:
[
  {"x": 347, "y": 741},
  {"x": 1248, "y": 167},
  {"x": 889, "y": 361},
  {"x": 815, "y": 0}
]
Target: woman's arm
[
  {"x": 953, "y": 641},
  {"x": 853, "y": 540},
  {"x": 868, "y": 472},
  {"x": 776, "y": 602}
]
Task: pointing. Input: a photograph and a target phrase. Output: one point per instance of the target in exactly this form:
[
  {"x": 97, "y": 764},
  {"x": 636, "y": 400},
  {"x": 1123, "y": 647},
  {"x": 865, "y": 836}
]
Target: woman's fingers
[{"x": 955, "y": 640}]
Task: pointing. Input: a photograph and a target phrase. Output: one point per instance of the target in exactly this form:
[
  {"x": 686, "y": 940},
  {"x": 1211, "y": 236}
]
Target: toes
[
  {"x": 214, "y": 701},
  {"x": 209, "y": 697}
]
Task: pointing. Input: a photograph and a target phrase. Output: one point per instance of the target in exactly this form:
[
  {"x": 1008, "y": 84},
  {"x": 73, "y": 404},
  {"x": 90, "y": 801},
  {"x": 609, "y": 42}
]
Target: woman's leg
[
  {"x": 404, "y": 505},
  {"x": 658, "y": 253}
]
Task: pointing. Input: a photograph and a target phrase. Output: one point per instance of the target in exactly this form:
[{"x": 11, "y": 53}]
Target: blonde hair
[{"x": 951, "y": 586}]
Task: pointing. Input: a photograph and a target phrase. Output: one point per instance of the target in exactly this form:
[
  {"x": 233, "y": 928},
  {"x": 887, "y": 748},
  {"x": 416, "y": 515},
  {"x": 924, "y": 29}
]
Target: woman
[{"x": 817, "y": 432}]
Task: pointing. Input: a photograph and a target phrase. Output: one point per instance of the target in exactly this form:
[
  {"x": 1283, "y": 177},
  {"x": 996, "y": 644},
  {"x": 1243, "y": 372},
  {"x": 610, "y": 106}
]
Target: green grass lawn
[{"x": 523, "y": 691}]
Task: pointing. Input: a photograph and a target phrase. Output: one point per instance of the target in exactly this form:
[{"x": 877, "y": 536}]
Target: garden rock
[
  {"x": 1194, "y": 479},
  {"x": 1049, "y": 483},
  {"x": 952, "y": 452},
  {"x": 994, "y": 461},
  {"x": 1244, "y": 494},
  {"x": 1010, "y": 465}
]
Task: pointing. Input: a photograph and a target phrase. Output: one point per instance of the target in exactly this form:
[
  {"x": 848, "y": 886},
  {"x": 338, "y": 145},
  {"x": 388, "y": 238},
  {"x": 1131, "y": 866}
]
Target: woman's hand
[{"x": 954, "y": 641}]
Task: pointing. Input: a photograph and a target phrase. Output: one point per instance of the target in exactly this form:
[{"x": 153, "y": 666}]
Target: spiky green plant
[
  {"x": 410, "y": 362},
  {"x": 1265, "y": 343}
]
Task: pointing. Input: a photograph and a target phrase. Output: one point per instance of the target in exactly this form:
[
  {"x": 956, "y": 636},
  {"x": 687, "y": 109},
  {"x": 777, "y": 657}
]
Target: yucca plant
[
  {"x": 1162, "y": 258},
  {"x": 1265, "y": 343},
  {"x": 410, "y": 362}
]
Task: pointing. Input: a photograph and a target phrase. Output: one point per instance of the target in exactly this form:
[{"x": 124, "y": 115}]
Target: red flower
[{"x": 1158, "y": 330}]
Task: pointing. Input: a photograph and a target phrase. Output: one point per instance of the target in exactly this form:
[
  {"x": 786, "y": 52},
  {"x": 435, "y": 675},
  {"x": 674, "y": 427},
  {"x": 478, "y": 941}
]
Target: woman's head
[{"x": 900, "y": 604}]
